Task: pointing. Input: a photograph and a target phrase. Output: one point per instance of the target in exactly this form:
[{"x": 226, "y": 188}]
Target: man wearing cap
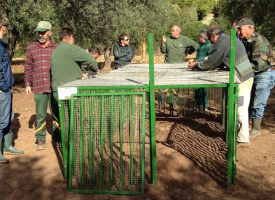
[
  {"x": 38, "y": 77},
  {"x": 6, "y": 112},
  {"x": 260, "y": 54}
]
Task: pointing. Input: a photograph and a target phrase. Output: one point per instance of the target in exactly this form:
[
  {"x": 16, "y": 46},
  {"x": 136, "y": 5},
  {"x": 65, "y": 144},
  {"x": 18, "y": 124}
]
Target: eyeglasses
[{"x": 126, "y": 39}]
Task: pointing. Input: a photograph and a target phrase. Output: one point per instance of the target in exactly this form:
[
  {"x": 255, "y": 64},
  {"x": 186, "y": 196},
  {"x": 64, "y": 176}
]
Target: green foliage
[
  {"x": 222, "y": 22},
  {"x": 191, "y": 29},
  {"x": 203, "y": 6},
  {"x": 102, "y": 21},
  {"x": 23, "y": 17},
  {"x": 260, "y": 11}
]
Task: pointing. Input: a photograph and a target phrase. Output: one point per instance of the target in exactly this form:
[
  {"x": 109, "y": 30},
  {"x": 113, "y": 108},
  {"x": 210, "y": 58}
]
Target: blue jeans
[
  {"x": 262, "y": 85},
  {"x": 6, "y": 113}
]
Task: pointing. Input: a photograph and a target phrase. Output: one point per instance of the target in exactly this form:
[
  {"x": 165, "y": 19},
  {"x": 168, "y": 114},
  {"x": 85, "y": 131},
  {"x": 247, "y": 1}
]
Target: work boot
[
  {"x": 256, "y": 130},
  {"x": 8, "y": 147},
  {"x": 41, "y": 145},
  {"x": 2, "y": 158}
]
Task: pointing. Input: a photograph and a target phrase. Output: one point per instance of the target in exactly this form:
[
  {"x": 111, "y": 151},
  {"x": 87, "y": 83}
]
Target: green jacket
[
  {"x": 204, "y": 50},
  {"x": 66, "y": 63},
  {"x": 259, "y": 52},
  {"x": 175, "y": 48}
]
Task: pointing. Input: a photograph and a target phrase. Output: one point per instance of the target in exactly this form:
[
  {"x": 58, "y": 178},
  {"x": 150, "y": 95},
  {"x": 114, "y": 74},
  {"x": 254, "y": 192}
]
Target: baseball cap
[
  {"x": 245, "y": 21},
  {"x": 43, "y": 26}
]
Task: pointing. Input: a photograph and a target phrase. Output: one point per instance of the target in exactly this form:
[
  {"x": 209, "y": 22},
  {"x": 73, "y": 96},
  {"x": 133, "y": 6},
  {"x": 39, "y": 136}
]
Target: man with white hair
[
  {"x": 220, "y": 58},
  {"x": 260, "y": 54}
]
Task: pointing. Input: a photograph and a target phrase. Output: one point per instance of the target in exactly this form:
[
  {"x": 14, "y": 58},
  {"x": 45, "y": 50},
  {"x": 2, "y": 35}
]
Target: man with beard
[{"x": 38, "y": 76}]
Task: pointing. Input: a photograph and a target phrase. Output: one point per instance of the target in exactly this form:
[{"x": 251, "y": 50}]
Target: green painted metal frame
[
  {"x": 72, "y": 150},
  {"x": 231, "y": 118},
  {"x": 232, "y": 114}
]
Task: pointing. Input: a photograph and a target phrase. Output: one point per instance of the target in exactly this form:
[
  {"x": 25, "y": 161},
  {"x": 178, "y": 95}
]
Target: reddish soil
[{"x": 190, "y": 160}]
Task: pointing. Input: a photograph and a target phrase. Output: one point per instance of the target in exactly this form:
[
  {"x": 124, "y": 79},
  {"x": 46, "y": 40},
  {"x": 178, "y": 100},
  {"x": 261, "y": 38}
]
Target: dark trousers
[{"x": 41, "y": 105}]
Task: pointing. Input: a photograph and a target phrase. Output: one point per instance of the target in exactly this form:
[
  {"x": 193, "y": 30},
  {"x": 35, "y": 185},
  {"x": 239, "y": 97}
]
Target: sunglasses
[{"x": 126, "y": 39}]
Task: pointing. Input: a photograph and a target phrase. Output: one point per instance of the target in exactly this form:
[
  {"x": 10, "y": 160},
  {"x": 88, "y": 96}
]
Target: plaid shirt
[{"x": 38, "y": 66}]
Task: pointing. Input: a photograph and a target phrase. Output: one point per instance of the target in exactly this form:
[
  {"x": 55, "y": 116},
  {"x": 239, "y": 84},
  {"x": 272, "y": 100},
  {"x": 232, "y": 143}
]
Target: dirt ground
[{"x": 181, "y": 173}]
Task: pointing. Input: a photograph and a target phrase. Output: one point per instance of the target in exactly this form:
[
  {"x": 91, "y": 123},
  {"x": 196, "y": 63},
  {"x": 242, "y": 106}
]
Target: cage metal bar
[
  {"x": 131, "y": 133},
  {"x": 121, "y": 141},
  {"x": 63, "y": 137},
  {"x": 111, "y": 142},
  {"x": 101, "y": 144},
  {"x": 92, "y": 169},
  {"x": 153, "y": 155},
  {"x": 72, "y": 148},
  {"x": 231, "y": 151}
]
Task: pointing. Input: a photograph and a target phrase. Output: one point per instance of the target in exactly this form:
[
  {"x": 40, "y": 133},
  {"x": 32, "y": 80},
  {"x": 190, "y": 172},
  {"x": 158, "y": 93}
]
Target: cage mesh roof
[{"x": 164, "y": 74}]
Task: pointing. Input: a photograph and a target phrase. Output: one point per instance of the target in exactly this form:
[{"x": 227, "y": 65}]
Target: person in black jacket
[{"x": 122, "y": 51}]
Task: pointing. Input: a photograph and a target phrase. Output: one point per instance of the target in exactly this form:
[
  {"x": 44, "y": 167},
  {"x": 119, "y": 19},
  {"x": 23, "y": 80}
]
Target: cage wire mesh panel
[
  {"x": 107, "y": 134},
  {"x": 181, "y": 102},
  {"x": 64, "y": 114}
]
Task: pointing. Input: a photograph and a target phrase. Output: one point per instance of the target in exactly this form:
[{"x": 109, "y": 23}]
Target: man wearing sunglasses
[
  {"x": 122, "y": 51},
  {"x": 38, "y": 79}
]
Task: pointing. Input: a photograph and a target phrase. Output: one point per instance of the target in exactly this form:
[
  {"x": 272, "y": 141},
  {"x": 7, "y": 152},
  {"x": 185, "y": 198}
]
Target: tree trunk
[
  {"x": 107, "y": 55},
  {"x": 12, "y": 42}
]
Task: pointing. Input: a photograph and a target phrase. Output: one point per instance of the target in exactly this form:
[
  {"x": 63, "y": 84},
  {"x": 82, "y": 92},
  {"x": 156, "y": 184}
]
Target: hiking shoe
[{"x": 41, "y": 145}]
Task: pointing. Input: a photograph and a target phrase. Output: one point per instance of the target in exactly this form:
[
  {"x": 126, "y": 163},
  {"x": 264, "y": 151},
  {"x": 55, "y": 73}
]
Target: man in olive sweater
[
  {"x": 176, "y": 45},
  {"x": 66, "y": 61},
  {"x": 175, "y": 48}
]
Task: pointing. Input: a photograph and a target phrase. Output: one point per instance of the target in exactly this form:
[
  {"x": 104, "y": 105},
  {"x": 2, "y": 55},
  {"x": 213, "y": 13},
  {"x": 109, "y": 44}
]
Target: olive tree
[
  {"x": 102, "y": 21},
  {"x": 22, "y": 17}
]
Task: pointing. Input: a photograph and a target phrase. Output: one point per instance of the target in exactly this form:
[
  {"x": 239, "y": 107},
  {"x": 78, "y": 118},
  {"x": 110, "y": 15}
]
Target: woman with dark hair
[{"x": 122, "y": 51}]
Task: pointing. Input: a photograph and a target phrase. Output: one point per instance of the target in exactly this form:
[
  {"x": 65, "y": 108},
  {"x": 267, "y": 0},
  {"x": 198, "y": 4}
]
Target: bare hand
[
  {"x": 28, "y": 90},
  {"x": 191, "y": 61},
  {"x": 163, "y": 40},
  {"x": 192, "y": 65},
  {"x": 84, "y": 76}
]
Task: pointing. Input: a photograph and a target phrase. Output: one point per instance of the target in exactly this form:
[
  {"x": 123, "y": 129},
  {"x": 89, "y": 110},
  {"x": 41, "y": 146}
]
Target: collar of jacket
[
  {"x": 252, "y": 37},
  {"x": 3, "y": 42}
]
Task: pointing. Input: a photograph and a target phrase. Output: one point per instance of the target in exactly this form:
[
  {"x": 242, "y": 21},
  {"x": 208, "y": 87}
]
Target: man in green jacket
[
  {"x": 175, "y": 48},
  {"x": 176, "y": 45},
  {"x": 66, "y": 61}
]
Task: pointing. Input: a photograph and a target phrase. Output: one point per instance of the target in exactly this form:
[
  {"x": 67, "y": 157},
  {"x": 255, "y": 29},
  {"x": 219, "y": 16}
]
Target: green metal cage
[{"x": 104, "y": 121}]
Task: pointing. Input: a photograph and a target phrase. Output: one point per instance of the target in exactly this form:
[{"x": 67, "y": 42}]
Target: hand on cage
[
  {"x": 192, "y": 65},
  {"x": 84, "y": 76}
]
